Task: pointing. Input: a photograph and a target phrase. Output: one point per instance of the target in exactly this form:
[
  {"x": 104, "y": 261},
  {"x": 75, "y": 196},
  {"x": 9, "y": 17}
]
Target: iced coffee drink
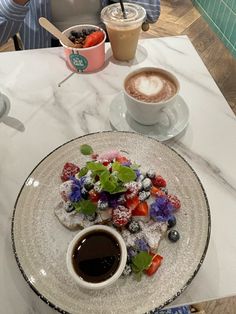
[{"x": 123, "y": 32}]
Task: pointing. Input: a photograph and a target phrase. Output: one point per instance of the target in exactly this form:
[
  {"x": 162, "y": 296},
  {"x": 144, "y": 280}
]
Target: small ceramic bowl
[
  {"x": 85, "y": 59},
  {"x": 81, "y": 236}
]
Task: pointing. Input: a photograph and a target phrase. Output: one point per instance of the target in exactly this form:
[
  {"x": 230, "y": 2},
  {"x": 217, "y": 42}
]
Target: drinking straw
[{"x": 123, "y": 9}]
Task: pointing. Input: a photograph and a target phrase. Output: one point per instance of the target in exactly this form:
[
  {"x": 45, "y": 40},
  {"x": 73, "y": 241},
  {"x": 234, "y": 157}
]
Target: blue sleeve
[
  {"x": 12, "y": 16},
  {"x": 152, "y": 7}
]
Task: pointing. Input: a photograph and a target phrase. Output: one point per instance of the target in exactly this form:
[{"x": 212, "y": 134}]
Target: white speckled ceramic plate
[
  {"x": 171, "y": 121},
  {"x": 40, "y": 242}
]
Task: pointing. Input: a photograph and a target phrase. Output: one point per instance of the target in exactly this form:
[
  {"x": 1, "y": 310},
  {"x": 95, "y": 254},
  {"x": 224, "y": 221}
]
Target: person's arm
[
  {"x": 12, "y": 15},
  {"x": 152, "y": 8}
]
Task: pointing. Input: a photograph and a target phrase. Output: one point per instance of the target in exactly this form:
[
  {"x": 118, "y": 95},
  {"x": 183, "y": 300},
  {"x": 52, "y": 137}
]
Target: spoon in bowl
[{"x": 55, "y": 32}]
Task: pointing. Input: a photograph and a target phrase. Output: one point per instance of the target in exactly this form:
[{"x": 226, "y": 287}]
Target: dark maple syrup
[{"x": 96, "y": 257}]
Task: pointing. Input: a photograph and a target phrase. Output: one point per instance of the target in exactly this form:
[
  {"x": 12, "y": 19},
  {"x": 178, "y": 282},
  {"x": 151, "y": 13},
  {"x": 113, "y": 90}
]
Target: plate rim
[{"x": 60, "y": 310}]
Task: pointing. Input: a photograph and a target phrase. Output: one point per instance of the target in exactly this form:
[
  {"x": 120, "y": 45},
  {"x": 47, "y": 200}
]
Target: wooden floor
[{"x": 179, "y": 17}]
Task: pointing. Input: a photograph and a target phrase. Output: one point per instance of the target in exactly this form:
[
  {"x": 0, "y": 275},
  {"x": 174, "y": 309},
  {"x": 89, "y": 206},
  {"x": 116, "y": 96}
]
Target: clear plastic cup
[{"x": 123, "y": 32}]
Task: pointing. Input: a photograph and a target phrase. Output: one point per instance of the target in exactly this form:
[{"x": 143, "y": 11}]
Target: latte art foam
[{"x": 150, "y": 86}]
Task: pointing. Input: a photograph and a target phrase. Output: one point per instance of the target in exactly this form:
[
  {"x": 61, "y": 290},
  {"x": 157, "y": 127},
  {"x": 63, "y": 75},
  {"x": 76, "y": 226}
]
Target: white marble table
[{"x": 42, "y": 116}]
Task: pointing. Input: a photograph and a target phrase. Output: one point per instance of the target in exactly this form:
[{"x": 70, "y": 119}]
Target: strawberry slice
[
  {"x": 93, "y": 196},
  {"x": 141, "y": 209},
  {"x": 159, "y": 182},
  {"x": 122, "y": 159},
  {"x": 69, "y": 170},
  {"x": 156, "y": 192},
  {"x": 132, "y": 203},
  {"x": 93, "y": 39},
  {"x": 156, "y": 262}
]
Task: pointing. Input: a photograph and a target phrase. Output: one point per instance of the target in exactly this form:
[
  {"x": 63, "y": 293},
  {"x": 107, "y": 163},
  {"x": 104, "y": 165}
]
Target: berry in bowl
[{"x": 88, "y": 53}]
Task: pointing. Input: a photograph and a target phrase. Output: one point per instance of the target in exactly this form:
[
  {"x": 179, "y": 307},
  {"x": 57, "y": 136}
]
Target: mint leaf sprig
[
  {"x": 86, "y": 207},
  {"x": 140, "y": 262},
  {"x": 112, "y": 182},
  {"x": 86, "y": 149}
]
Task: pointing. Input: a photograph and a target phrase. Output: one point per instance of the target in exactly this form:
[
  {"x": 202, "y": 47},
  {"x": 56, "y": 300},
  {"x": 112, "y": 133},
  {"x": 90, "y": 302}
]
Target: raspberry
[
  {"x": 69, "y": 170},
  {"x": 174, "y": 201},
  {"x": 132, "y": 189},
  {"x": 121, "y": 216},
  {"x": 66, "y": 189},
  {"x": 159, "y": 181}
]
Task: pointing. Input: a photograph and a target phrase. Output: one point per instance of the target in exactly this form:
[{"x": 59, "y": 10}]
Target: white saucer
[{"x": 169, "y": 125}]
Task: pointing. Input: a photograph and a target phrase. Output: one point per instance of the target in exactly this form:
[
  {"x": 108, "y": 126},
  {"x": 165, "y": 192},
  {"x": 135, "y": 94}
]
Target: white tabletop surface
[{"x": 42, "y": 116}]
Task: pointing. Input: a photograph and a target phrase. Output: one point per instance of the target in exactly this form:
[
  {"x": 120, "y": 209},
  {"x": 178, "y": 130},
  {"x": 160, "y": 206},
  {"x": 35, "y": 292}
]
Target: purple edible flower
[
  {"x": 113, "y": 203},
  {"x": 77, "y": 186},
  {"x": 114, "y": 200},
  {"x": 161, "y": 209},
  {"x": 131, "y": 251},
  {"x": 104, "y": 197},
  {"x": 142, "y": 244},
  {"x": 138, "y": 173},
  {"x": 126, "y": 163}
]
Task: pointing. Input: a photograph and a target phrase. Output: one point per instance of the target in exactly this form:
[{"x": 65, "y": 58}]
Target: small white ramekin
[{"x": 90, "y": 285}]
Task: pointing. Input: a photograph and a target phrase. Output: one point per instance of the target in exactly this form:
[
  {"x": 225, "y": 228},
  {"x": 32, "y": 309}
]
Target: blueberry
[
  {"x": 165, "y": 190},
  {"x": 173, "y": 235},
  {"x": 72, "y": 38},
  {"x": 88, "y": 183},
  {"x": 143, "y": 195},
  {"x": 102, "y": 205},
  {"x": 131, "y": 252},
  {"x": 134, "y": 227},
  {"x": 84, "y": 193},
  {"x": 127, "y": 270},
  {"x": 91, "y": 217},
  {"x": 97, "y": 187},
  {"x": 68, "y": 206},
  {"x": 171, "y": 222},
  {"x": 151, "y": 173},
  {"x": 121, "y": 199},
  {"x": 140, "y": 178},
  {"x": 85, "y": 32},
  {"x": 90, "y": 31},
  {"x": 147, "y": 184},
  {"x": 74, "y": 33}
]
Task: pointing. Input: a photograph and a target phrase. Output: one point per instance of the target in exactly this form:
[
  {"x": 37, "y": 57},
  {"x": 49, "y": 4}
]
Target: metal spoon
[{"x": 55, "y": 32}]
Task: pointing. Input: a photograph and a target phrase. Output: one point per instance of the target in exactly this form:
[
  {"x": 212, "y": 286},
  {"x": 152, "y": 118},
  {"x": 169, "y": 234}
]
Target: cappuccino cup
[{"x": 147, "y": 91}]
